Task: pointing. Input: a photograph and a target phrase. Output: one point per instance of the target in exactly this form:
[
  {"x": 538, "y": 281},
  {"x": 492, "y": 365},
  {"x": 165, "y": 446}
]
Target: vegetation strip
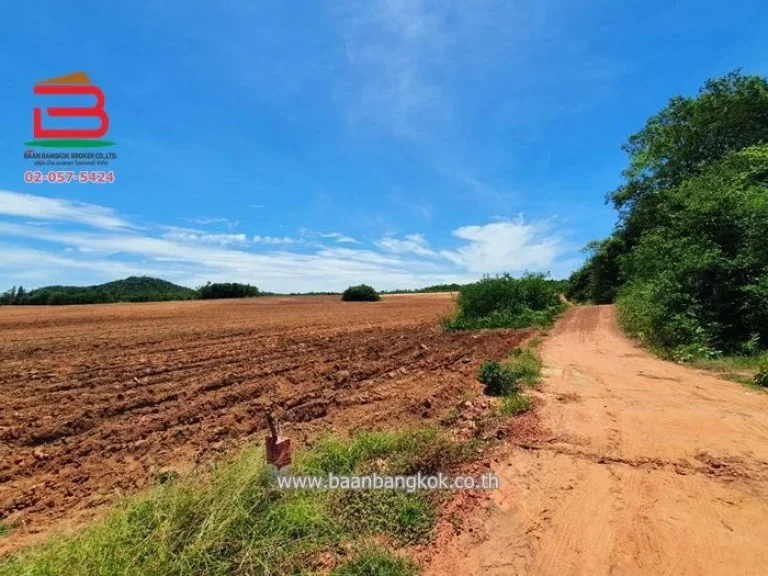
[
  {"x": 236, "y": 521},
  {"x": 687, "y": 264},
  {"x": 506, "y": 302}
]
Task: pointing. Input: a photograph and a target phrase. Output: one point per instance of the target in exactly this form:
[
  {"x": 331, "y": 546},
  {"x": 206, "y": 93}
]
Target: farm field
[{"x": 97, "y": 401}]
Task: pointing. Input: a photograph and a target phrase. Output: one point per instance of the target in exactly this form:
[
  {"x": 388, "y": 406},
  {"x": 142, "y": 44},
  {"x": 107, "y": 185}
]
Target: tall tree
[{"x": 684, "y": 138}]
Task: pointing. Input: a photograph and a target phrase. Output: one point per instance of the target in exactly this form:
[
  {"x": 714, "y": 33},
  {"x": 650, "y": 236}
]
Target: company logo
[{"x": 95, "y": 117}]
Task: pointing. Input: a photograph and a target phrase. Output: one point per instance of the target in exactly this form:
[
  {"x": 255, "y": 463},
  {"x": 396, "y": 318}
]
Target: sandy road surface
[{"x": 643, "y": 467}]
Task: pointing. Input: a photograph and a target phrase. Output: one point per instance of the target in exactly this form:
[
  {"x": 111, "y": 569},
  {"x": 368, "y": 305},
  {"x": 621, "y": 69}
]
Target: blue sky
[{"x": 313, "y": 145}]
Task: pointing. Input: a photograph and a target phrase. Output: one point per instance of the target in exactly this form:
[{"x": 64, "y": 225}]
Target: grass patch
[
  {"x": 506, "y": 302},
  {"x": 506, "y": 379},
  {"x": 235, "y": 520},
  {"x": 730, "y": 363},
  {"x": 750, "y": 370},
  {"x": 5, "y": 529},
  {"x": 515, "y": 404},
  {"x": 376, "y": 562},
  {"x": 525, "y": 365}
]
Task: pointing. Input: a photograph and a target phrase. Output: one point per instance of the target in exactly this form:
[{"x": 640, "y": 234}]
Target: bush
[
  {"x": 360, "y": 293},
  {"x": 498, "y": 380},
  {"x": 761, "y": 378},
  {"x": 227, "y": 290},
  {"x": 506, "y": 302}
]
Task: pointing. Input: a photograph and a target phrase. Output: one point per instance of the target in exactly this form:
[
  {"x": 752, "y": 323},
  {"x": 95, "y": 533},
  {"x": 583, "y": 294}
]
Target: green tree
[
  {"x": 360, "y": 293},
  {"x": 227, "y": 290},
  {"x": 600, "y": 278},
  {"x": 700, "y": 277},
  {"x": 689, "y": 134},
  {"x": 681, "y": 141}
]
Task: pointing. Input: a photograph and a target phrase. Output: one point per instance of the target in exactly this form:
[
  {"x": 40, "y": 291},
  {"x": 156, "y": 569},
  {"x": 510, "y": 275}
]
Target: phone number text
[{"x": 67, "y": 177}]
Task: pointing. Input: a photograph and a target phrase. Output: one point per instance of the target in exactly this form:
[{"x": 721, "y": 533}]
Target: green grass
[
  {"x": 506, "y": 379},
  {"x": 4, "y": 529},
  {"x": 495, "y": 320},
  {"x": 730, "y": 363},
  {"x": 376, "y": 562},
  {"x": 514, "y": 404},
  {"x": 743, "y": 369},
  {"x": 235, "y": 520},
  {"x": 525, "y": 365}
]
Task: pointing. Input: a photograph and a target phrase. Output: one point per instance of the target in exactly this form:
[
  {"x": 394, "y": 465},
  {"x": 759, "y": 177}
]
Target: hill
[{"x": 132, "y": 289}]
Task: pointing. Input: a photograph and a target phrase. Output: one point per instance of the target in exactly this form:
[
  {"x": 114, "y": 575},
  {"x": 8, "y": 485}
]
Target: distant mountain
[{"x": 133, "y": 289}]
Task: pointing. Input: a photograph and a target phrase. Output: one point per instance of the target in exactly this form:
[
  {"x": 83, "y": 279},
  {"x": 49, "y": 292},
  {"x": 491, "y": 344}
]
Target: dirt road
[{"x": 644, "y": 467}]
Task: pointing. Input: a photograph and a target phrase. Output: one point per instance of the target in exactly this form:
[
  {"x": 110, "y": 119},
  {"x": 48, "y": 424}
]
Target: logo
[{"x": 94, "y": 117}]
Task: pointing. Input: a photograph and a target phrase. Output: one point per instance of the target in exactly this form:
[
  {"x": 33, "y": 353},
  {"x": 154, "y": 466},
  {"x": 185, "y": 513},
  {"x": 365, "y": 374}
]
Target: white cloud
[
  {"x": 340, "y": 238},
  {"x": 43, "y": 208},
  {"x": 274, "y": 240},
  {"x": 185, "y": 235},
  {"x": 75, "y": 254},
  {"x": 413, "y": 243},
  {"x": 218, "y": 220},
  {"x": 208, "y": 220},
  {"x": 506, "y": 247}
]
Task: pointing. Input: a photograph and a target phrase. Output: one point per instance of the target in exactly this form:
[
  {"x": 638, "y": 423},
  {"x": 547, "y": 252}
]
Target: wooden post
[{"x": 278, "y": 449}]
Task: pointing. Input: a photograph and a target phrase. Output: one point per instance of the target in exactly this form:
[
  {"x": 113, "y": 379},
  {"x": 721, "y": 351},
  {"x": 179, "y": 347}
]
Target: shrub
[
  {"x": 360, "y": 293},
  {"x": 497, "y": 379},
  {"x": 227, "y": 290},
  {"x": 506, "y": 302},
  {"x": 761, "y": 378}
]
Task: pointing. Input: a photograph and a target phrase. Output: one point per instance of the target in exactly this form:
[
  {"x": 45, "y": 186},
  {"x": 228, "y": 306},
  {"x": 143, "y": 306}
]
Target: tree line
[
  {"x": 133, "y": 289},
  {"x": 687, "y": 263}
]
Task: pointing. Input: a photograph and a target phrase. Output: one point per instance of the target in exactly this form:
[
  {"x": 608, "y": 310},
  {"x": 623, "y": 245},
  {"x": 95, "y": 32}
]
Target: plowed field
[{"x": 95, "y": 401}]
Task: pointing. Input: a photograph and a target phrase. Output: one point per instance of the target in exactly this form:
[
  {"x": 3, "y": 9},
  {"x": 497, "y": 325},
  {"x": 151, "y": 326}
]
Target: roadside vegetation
[
  {"x": 235, "y": 519},
  {"x": 687, "y": 264},
  {"x": 360, "y": 293},
  {"x": 506, "y": 302},
  {"x": 506, "y": 379},
  {"x": 761, "y": 378},
  {"x": 738, "y": 368}
]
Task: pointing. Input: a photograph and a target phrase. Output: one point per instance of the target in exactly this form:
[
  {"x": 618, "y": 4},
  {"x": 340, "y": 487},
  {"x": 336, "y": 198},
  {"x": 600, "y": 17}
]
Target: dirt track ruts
[{"x": 645, "y": 467}]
